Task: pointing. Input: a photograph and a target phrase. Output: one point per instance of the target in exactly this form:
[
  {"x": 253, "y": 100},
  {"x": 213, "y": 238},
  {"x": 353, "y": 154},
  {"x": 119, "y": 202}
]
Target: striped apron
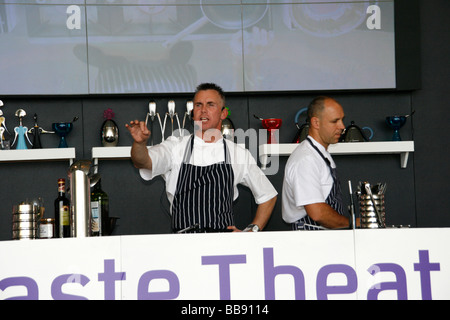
[
  {"x": 334, "y": 198},
  {"x": 203, "y": 200}
]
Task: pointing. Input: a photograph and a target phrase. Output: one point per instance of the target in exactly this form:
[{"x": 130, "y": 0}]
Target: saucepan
[{"x": 225, "y": 17}]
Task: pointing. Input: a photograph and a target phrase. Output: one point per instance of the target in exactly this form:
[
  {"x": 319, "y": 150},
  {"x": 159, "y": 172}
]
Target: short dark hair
[
  {"x": 316, "y": 106},
  {"x": 211, "y": 86}
]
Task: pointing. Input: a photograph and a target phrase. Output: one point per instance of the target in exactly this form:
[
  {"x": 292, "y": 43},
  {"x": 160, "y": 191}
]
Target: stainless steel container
[
  {"x": 368, "y": 211},
  {"x": 24, "y": 222},
  {"x": 80, "y": 194}
]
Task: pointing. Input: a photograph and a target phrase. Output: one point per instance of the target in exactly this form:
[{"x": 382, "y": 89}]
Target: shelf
[
  {"x": 38, "y": 154},
  {"x": 115, "y": 152},
  {"x": 111, "y": 152},
  {"x": 403, "y": 148}
]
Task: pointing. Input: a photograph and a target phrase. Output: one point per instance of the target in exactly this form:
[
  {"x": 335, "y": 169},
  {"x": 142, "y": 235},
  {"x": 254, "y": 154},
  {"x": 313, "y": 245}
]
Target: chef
[
  {"x": 202, "y": 170},
  {"x": 311, "y": 196}
]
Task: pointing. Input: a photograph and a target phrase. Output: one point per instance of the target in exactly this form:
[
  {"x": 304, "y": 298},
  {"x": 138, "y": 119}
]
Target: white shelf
[
  {"x": 403, "y": 148},
  {"x": 111, "y": 152},
  {"x": 37, "y": 154},
  {"x": 115, "y": 152}
]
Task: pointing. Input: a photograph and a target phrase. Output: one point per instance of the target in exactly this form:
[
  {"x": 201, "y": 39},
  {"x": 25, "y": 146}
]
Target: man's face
[
  {"x": 331, "y": 122},
  {"x": 208, "y": 111}
]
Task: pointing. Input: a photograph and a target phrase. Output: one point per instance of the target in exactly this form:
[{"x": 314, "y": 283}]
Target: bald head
[{"x": 325, "y": 116}]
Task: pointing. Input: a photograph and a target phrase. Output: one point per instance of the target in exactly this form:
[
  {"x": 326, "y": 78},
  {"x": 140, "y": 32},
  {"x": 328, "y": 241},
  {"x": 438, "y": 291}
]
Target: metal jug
[
  {"x": 80, "y": 199},
  {"x": 353, "y": 133},
  {"x": 302, "y": 131}
]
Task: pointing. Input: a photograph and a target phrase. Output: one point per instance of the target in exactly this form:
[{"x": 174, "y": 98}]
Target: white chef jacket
[
  {"x": 307, "y": 180},
  {"x": 168, "y": 156}
]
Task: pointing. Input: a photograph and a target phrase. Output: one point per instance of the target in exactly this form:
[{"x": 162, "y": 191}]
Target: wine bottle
[
  {"x": 100, "y": 225},
  {"x": 62, "y": 211}
]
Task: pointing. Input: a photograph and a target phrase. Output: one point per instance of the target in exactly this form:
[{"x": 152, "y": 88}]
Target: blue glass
[
  {"x": 396, "y": 122},
  {"x": 62, "y": 129}
]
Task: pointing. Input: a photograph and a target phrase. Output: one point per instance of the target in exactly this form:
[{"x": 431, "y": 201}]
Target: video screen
[{"x": 70, "y": 47}]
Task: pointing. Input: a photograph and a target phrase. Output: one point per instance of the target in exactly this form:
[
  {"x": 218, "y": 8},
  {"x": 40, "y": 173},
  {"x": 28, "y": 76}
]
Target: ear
[
  {"x": 314, "y": 122},
  {"x": 224, "y": 113}
]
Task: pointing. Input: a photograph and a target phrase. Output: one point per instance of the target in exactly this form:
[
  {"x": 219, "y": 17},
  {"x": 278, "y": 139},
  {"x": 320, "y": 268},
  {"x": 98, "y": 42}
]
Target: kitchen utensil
[
  {"x": 227, "y": 129},
  {"x": 2, "y": 145},
  {"x": 79, "y": 175},
  {"x": 109, "y": 131},
  {"x": 172, "y": 114},
  {"x": 353, "y": 133},
  {"x": 303, "y": 130},
  {"x": 21, "y": 131},
  {"x": 36, "y": 131},
  {"x": 188, "y": 113},
  {"x": 24, "y": 221},
  {"x": 151, "y": 114},
  {"x": 2, "y": 118},
  {"x": 271, "y": 125},
  {"x": 352, "y": 207},
  {"x": 372, "y": 207},
  {"x": 369, "y": 192}
]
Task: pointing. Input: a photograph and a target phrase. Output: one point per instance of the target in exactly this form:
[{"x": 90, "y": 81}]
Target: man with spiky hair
[{"x": 202, "y": 170}]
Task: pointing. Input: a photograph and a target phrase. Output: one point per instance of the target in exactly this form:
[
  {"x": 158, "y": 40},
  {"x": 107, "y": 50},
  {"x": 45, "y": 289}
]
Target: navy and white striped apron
[
  {"x": 334, "y": 198},
  {"x": 204, "y": 195}
]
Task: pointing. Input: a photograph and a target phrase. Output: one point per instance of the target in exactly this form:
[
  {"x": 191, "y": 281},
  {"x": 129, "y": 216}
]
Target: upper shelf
[
  {"x": 38, "y": 154},
  {"x": 265, "y": 150},
  {"x": 111, "y": 152},
  {"x": 344, "y": 148},
  {"x": 285, "y": 149}
]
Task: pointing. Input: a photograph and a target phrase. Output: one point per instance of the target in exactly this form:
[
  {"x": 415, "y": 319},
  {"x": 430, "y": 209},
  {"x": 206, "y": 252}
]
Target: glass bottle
[
  {"x": 99, "y": 211},
  {"x": 62, "y": 211}
]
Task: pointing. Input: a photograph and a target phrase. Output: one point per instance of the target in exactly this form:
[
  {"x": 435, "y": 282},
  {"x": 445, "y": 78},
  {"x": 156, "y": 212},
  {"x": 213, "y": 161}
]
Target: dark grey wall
[{"x": 415, "y": 195}]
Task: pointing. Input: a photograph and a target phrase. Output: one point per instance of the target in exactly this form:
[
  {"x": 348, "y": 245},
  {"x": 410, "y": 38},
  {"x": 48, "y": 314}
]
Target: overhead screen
[{"x": 71, "y": 47}]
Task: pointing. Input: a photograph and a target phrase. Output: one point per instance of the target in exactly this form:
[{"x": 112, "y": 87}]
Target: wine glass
[{"x": 396, "y": 122}]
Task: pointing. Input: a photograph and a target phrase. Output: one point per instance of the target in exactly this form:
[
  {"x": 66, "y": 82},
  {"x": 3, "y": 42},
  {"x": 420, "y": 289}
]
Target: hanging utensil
[
  {"x": 187, "y": 114},
  {"x": 172, "y": 114}
]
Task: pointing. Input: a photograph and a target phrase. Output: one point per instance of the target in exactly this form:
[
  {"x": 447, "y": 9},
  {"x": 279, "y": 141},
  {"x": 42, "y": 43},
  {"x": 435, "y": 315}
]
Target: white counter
[{"x": 344, "y": 264}]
